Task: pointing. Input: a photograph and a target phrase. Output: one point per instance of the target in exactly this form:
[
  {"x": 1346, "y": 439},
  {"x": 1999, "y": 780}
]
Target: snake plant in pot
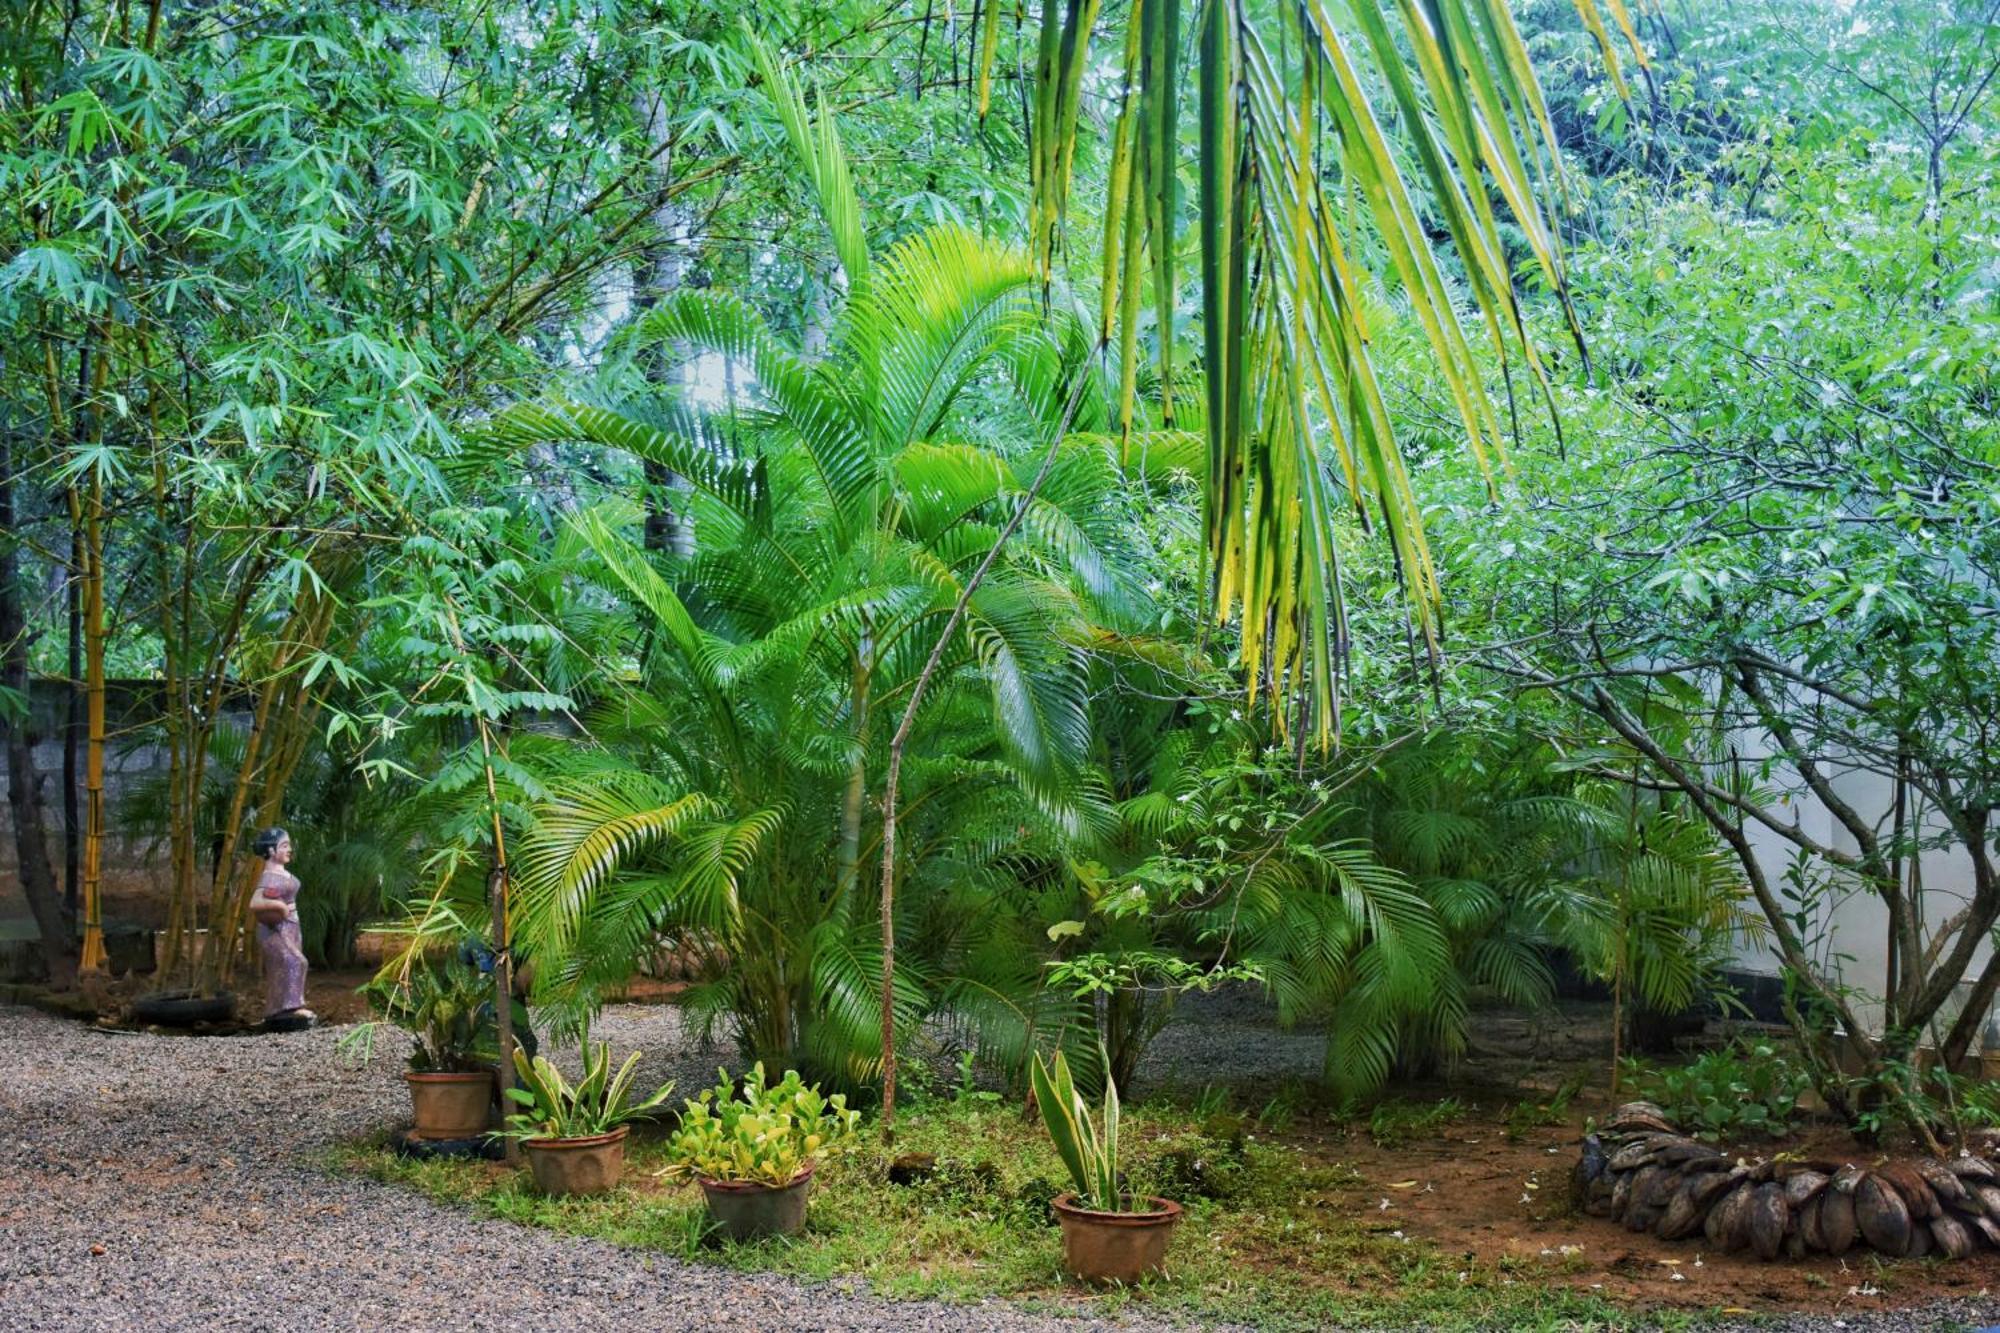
[
  {"x": 1109, "y": 1234},
  {"x": 574, "y": 1133},
  {"x": 753, "y": 1150}
]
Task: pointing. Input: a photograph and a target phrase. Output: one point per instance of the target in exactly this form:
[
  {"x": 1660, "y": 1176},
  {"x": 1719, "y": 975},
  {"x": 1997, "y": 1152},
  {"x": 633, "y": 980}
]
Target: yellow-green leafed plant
[
  {"x": 1091, "y": 1158},
  {"x": 597, "y": 1103},
  {"x": 766, "y": 1135}
]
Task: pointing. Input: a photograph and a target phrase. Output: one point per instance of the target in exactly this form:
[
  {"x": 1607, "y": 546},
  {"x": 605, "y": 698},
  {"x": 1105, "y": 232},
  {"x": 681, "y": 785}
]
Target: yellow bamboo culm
[{"x": 93, "y": 955}]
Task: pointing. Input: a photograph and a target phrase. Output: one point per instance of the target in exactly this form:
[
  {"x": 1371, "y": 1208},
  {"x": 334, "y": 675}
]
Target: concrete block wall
[{"x": 135, "y": 869}]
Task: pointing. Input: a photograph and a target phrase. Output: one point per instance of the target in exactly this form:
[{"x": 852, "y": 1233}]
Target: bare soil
[{"x": 1475, "y": 1192}]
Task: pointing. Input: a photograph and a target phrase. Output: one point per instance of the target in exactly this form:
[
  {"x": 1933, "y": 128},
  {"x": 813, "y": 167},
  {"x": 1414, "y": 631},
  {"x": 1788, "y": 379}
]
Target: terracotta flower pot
[
  {"x": 578, "y": 1166},
  {"x": 748, "y": 1209},
  {"x": 1115, "y": 1247},
  {"x": 450, "y": 1106}
]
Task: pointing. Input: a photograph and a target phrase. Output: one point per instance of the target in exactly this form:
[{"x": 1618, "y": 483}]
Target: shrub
[{"x": 1738, "y": 1089}]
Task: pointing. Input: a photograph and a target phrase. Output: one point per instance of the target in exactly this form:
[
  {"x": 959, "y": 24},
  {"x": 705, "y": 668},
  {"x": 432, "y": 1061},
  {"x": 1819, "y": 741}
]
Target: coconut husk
[
  {"x": 1639, "y": 1118},
  {"x": 1656, "y": 1185},
  {"x": 1683, "y": 1151},
  {"x": 1711, "y": 1186},
  {"x": 1810, "y": 1232},
  {"x": 1882, "y": 1215},
  {"x": 1621, "y": 1194},
  {"x": 1923, "y": 1204},
  {"x": 1803, "y": 1185},
  {"x": 1644, "y": 1181},
  {"x": 1591, "y": 1161},
  {"x": 1845, "y": 1179},
  {"x": 1837, "y": 1224},
  {"x": 1986, "y": 1227},
  {"x": 1921, "y": 1243},
  {"x": 1949, "y": 1189},
  {"x": 1988, "y": 1195},
  {"x": 1637, "y": 1153},
  {"x": 1769, "y": 1216},
  {"x": 1642, "y": 1218},
  {"x": 1972, "y": 1168},
  {"x": 1683, "y": 1216},
  {"x": 1728, "y": 1224},
  {"x": 1952, "y": 1236}
]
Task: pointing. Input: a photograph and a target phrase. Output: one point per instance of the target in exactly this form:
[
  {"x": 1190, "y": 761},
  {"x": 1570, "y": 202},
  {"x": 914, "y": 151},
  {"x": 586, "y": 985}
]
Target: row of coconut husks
[{"x": 1637, "y": 1169}]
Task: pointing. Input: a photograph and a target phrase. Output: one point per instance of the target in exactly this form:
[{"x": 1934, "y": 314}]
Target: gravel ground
[{"x": 172, "y": 1183}]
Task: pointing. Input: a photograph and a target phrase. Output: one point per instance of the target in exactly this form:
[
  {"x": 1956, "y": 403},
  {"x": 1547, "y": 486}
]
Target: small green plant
[
  {"x": 1090, "y": 1157},
  {"x": 968, "y": 1092},
  {"x": 763, "y": 1134},
  {"x": 1279, "y": 1112},
  {"x": 443, "y": 1006},
  {"x": 1393, "y": 1124},
  {"x": 1528, "y": 1115},
  {"x": 1742, "y": 1088},
  {"x": 596, "y": 1103}
]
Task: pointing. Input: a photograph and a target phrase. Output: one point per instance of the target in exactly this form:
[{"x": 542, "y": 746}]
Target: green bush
[{"x": 1738, "y": 1089}]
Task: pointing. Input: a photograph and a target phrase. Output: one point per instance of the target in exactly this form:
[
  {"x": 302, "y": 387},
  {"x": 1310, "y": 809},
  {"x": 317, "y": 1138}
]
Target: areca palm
[{"x": 836, "y": 518}]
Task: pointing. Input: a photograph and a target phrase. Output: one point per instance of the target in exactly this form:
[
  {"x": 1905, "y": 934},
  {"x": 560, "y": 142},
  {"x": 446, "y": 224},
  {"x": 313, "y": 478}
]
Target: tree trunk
[
  {"x": 73, "y": 726},
  {"x": 661, "y": 269},
  {"x": 24, "y": 784}
]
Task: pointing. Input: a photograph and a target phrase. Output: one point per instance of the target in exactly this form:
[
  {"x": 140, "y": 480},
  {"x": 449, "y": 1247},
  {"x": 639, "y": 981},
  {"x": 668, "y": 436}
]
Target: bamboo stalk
[{"x": 93, "y": 957}]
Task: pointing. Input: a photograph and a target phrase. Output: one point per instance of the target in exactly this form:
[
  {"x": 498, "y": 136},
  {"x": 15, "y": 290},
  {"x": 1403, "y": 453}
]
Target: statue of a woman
[{"x": 276, "y": 907}]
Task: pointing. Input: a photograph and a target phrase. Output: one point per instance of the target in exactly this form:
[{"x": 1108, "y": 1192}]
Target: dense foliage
[{"x": 880, "y": 488}]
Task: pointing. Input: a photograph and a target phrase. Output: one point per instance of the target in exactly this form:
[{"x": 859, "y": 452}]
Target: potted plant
[
  {"x": 1109, "y": 1234},
  {"x": 439, "y": 1003},
  {"x": 753, "y": 1150},
  {"x": 574, "y": 1133}
]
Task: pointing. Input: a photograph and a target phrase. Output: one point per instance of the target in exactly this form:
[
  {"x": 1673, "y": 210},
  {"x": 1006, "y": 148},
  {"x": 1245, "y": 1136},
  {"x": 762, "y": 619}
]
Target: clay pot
[
  {"x": 589, "y": 1165},
  {"x": 1115, "y": 1247},
  {"x": 751, "y": 1210},
  {"x": 450, "y": 1106}
]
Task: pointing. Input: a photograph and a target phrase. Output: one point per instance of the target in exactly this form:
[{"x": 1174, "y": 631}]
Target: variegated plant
[
  {"x": 763, "y": 1135},
  {"x": 1090, "y": 1156}
]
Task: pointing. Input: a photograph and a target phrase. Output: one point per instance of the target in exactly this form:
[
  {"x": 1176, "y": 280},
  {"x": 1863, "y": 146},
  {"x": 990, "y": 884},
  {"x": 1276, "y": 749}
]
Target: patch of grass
[{"x": 1269, "y": 1237}]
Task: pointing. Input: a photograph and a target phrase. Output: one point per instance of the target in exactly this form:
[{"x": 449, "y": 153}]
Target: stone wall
[{"x": 135, "y": 870}]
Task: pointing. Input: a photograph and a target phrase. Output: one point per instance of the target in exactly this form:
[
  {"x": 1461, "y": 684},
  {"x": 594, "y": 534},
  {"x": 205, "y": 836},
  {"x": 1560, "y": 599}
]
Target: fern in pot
[
  {"x": 753, "y": 1150},
  {"x": 574, "y": 1133},
  {"x": 1109, "y": 1234}
]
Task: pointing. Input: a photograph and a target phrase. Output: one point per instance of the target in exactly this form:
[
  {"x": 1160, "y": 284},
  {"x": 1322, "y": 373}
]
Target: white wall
[{"x": 1849, "y": 931}]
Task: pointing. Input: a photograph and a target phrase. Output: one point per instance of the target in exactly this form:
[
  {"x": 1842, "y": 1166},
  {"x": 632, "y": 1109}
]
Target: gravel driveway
[{"x": 169, "y": 1183}]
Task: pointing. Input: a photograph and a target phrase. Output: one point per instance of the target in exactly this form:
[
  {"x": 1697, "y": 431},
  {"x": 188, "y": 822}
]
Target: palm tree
[
  {"x": 836, "y": 518},
  {"x": 1329, "y": 133}
]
